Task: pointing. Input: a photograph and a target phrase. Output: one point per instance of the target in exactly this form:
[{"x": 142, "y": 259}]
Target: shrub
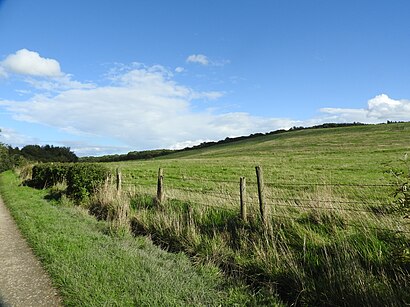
[
  {"x": 83, "y": 179},
  {"x": 48, "y": 175},
  {"x": 6, "y": 160}
]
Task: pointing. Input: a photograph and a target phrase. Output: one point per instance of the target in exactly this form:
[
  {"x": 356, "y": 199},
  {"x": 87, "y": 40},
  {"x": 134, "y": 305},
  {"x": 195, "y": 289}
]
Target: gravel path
[{"x": 23, "y": 282}]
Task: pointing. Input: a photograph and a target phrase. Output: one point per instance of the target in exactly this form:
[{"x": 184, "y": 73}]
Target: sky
[{"x": 107, "y": 77}]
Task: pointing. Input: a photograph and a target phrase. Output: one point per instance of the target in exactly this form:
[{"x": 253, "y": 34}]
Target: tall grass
[
  {"x": 309, "y": 255},
  {"x": 107, "y": 203}
]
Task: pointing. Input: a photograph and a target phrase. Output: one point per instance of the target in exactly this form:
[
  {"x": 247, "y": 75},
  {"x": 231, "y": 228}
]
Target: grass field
[
  {"x": 335, "y": 234},
  {"x": 353, "y": 154},
  {"x": 359, "y": 155}
]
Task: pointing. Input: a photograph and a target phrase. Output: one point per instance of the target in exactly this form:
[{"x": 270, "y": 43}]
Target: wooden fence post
[
  {"x": 160, "y": 186},
  {"x": 190, "y": 216},
  {"x": 242, "y": 190},
  {"x": 118, "y": 180},
  {"x": 262, "y": 204}
]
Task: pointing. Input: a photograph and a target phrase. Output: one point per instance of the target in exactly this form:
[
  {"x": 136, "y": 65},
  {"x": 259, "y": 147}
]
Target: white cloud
[
  {"x": 379, "y": 109},
  {"x": 60, "y": 83},
  {"x": 83, "y": 149},
  {"x": 11, "y": 137},
  {"x": 204, "y": 60},
  {"x": 383, "y": 107},
  {"x": 179, "y": 69},
  {"x": 26, "y": 62},
  {"x": 41, "y": 73},
  {"x": 198, "y": 58},
  {"x": 340, "y": 115},
  {"x": 145, "y": 108},
  {"x": 184, "y": 144}
]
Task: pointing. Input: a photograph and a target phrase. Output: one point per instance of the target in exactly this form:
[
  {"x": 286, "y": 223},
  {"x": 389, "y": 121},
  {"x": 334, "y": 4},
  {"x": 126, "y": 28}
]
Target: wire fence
[{"x": 223, "y": 194}]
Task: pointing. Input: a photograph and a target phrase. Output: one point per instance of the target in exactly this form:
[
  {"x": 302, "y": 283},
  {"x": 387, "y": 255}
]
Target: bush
[
  {"x": 83, "y": 179},
  {"x": 5, "y": 161},
  {"x": 48, "y": 175}
]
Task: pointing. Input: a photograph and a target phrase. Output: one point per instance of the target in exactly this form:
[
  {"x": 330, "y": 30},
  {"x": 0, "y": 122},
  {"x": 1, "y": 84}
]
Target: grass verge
[
  {"x": 305, "y": 256},
  {"x": 91, "y": 266}
]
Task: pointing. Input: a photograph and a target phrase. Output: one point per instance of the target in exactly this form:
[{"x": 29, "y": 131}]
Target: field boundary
[{"x": 266, "y": 204}]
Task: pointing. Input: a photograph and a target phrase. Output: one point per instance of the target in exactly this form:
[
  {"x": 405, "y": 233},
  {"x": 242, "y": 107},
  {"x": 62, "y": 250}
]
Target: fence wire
[{"x": 273, "y": 201}]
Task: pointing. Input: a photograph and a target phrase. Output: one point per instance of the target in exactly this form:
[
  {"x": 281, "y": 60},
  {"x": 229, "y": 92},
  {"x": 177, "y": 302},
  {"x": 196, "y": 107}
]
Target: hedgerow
[
  {"x": 81, "y": 178},
  {"x": 48, "y": 174},
  {"x": 84, "y": 178}
]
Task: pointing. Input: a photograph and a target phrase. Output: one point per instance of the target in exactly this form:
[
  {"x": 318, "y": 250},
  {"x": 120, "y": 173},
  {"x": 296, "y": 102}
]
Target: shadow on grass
[{"x": 54, "y": 195}]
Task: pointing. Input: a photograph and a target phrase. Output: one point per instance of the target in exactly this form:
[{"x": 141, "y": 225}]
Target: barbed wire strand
[
  {"x": 318, "y": 207},
  {"x": 276, "y": 184},
  {"x": 353, "y": 202},
  {"x": 235, "y": 197},
  {"x": 210, "y": 193}
]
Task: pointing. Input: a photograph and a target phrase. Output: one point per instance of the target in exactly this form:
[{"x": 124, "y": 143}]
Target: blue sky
[{"x": 110, "y": 77}]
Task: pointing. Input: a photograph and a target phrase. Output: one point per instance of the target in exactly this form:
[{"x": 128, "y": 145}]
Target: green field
[{"x": 359, "y": 155}]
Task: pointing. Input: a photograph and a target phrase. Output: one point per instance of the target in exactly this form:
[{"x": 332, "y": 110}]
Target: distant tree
[
  {"x": 149, "y": 154},
  {"x": 5, "y": 160},
  {"x": 48, "y": 153}
]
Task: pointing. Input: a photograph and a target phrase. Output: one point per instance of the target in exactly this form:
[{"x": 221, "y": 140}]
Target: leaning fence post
[
  {"x": 242, "y": 190},
  {"x": 160, "y": 186},
  {"x": 262, "y": 204},
  {"x": 118, "y": 179}
]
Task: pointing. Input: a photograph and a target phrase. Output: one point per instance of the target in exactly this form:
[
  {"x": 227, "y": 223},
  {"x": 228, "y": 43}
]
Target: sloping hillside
[{"x": 355, "y": 154}]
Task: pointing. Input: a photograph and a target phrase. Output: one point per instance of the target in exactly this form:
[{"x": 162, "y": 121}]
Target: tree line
[
  {"x": 149, "y": 154},
  {"x": 12, "y": 157}
]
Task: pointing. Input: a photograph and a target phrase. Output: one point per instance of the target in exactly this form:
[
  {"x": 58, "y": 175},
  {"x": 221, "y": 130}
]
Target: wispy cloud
[
  {"x": 379, "y": 109},
  {"x": 11, "y": 137},
  {"x": 204, "y": 60},
  {"x": 84, "y": 149},
  {"x": 198, "y": 58}
]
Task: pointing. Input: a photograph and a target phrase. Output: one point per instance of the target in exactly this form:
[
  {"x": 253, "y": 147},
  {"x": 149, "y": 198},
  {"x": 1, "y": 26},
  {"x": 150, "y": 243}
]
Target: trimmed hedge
[{"x": 81, "y": 178}]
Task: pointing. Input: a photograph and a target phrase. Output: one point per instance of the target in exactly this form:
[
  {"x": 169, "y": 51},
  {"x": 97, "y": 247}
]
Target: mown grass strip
[{"x": 92, "y": 267}]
